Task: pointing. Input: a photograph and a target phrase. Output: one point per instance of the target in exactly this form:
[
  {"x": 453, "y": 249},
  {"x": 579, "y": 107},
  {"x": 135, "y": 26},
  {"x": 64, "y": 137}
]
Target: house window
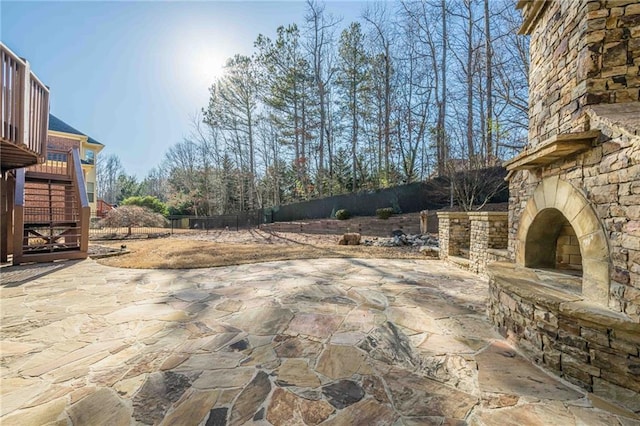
[
  {"x": 89, "y": 156},
  {"x": 90, "y": 190},
  {"x": 57, "y": 156}
]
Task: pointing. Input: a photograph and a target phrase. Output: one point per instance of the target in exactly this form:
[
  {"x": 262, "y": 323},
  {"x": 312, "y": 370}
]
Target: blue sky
[{"x": 132, "y": 75}]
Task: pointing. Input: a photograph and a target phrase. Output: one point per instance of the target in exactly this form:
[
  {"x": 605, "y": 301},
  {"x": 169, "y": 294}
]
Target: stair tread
[
  {"x": 42, "y": 179},
  {"x": 54, "y": 223}
]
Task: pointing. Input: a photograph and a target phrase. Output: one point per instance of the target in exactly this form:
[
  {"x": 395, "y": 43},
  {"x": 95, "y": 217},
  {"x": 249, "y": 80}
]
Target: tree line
[{"x": 410, "y": 91}]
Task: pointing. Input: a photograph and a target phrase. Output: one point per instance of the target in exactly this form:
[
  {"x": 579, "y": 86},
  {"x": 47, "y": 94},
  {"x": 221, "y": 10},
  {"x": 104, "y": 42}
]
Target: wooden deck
[
  {"x": 24, "y": 107},
  {"x": 24, "y": 123}
]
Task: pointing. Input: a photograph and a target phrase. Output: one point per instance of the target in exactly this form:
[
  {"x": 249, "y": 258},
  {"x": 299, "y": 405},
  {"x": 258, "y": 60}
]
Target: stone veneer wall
[
  {"x": 597, "y": 350},
  {"x": 489, "y": 231},
  {"x": 453, "y": 233},
  {"x": 608, "y": 176},
  {"x": 582, "y": 53},
  {"x": 484, "y": 234}
]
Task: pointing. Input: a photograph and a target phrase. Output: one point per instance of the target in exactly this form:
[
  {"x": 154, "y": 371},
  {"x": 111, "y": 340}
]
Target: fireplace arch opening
[
  {"x": 552, "y": 243},
  {"x": 555, "y": 211}
]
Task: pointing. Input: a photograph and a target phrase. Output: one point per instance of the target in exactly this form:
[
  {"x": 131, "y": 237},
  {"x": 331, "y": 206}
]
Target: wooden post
[
  {"x": 85, "y": 216},
  {"x": 7, "y": 190},
  {"x": 25, "y": 82},
  {"x": 18, "y": 217}
]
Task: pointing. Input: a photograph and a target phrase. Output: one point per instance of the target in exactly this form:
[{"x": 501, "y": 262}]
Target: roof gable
[{"x": 58, "y": 125}]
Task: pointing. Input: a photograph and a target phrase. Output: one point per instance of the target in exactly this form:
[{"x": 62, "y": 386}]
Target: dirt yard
[{"x": 224, "y": 248}]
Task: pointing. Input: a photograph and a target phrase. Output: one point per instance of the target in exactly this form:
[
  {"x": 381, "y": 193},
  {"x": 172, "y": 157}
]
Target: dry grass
[{"x": 224, "y": 248}]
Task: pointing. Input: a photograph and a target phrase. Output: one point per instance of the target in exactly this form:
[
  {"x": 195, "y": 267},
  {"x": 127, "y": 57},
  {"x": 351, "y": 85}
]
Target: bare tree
[
  {"x": 108, "y": 171},
  {"x": 376, "y": 16},
  {"x": 490, "y": 156},
  {"x": 353, "y": 76},
  {"x": 473, "y": 186},
  {"x": 320, "y": 45},
  {"x": 511, "y": 71}
]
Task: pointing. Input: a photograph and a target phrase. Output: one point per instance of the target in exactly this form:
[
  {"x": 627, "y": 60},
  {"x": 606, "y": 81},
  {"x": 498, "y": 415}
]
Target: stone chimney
[{"x": 582, "y": 53}]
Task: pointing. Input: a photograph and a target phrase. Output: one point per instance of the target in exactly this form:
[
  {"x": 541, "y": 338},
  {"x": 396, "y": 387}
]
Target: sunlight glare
[{"x": 205, "y": 63}]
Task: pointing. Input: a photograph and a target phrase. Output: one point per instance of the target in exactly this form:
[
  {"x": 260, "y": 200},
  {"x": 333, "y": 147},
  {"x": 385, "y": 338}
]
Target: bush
[
  {"x": 384, "y": 213},
  {"x": 343, "y": 214},
  {"x": 150, "y": 202}
]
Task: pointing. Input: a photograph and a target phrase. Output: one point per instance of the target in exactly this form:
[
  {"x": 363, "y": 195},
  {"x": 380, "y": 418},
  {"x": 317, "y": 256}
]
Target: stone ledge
[
  {"x": 499, "y": 252},
  {"x": 528, "y": 286},
  {"x": 531, "y": 287},
  {"x": 553, "y": 149},
  {"x": 452, "y": 215},
  {"x": 624, "y": 118},
  {"x": 590, "y": 312},
  {"x": 488, "y": 215},
  {"x": 460, "y": 261}
]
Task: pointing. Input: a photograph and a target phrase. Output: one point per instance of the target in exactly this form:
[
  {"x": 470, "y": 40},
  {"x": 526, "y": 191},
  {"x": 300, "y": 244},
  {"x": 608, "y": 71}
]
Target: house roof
[{"x": 58, "y": 125}]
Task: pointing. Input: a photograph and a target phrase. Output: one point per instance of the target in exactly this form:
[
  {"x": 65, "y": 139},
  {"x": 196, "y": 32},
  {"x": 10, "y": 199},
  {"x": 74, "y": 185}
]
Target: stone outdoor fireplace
[
  {"x": 570, "y": 297},
  {"x": 560, "y": 230}
]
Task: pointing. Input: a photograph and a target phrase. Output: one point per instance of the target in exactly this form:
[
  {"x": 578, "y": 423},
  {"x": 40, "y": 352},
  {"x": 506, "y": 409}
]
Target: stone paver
[{"x": 327, "y": 341}]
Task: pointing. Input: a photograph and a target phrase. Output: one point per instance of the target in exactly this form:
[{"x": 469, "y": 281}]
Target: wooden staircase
[{"x": 51, "y": 210}]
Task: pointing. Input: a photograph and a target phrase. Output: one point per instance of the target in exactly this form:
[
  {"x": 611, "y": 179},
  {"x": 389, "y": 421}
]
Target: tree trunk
[
  {"x": 489, "y": 84},
  {"x": 470, "y": 147},
  {"x": 443, "y": 115},
  {"x": 387, "y": 111}
]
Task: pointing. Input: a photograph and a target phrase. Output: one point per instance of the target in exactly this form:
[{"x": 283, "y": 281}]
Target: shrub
[
  {"x": 150, "y": 202},
  {"x": 343, "y": 214},
  {"x": 384, "y": 213}
]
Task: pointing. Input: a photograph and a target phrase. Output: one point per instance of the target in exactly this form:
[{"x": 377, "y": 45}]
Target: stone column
[
  {"x": 453, "y": 232},
  {"x": 489, "y": 230}
]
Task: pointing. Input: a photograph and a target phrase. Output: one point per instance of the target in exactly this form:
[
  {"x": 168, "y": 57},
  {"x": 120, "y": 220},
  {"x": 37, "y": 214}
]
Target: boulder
[{"x": 350, "y": 239}]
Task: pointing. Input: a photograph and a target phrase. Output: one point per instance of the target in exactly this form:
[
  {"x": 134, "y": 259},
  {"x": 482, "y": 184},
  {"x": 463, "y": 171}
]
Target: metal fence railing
[
  {"x": 99, "y": 232},
  {"x": 176, "y": 224}
]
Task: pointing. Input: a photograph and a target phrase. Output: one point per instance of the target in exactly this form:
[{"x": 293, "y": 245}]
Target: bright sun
[
  {"x": 205, "y": 63},
  {"x": 210, "y": 65}
]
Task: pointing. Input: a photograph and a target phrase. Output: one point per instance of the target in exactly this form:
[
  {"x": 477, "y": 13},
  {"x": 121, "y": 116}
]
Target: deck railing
[
  {"x": 81, "y": 194},
  {"x": 57, "y": 163},
  {"x": 24, "y": 104}
]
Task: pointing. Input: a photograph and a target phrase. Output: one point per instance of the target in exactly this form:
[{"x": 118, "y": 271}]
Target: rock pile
[{"x": 422, "y": 242}]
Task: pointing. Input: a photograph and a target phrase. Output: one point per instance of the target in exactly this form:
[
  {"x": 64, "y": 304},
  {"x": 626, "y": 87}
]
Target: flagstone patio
[{"x": 331, "y": 341}]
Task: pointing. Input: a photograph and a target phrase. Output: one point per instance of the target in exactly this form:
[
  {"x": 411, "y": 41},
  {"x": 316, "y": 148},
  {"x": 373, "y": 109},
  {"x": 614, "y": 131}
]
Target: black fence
[
  {"x": 244, "y": 220},
  {"x": 410, "y": 198},
  {"x": 99, "y": 232}
]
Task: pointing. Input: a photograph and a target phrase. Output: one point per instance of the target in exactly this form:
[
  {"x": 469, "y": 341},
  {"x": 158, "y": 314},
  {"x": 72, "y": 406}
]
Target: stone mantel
[{"x": 558, "y": 147}]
